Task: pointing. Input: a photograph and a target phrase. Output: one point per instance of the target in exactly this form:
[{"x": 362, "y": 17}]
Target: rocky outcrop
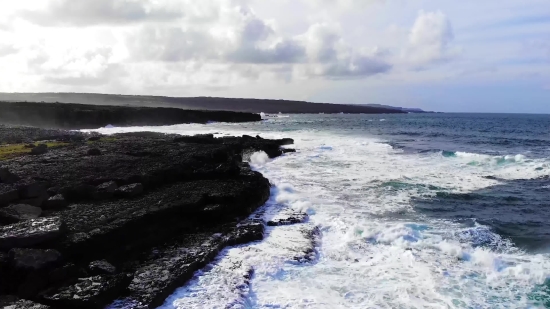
[
  {"x": 19, "y": 212},
  {"x": 81, "y": 116},
  {"x": 129, "y": 226}
]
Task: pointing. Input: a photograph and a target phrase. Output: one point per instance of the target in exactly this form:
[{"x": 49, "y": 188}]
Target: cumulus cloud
[
  {"x": 73, "y": 66},
  {"x": 333, "y": 58},
  {"x": 170, "y": 44},
  {"x": 6, "y": 49},
  {"x": 430, "y": 39},
  {"x": 100, "y": 12},
  {"x": 259, "y": 43},
  {"x": 247, "y": 39}
]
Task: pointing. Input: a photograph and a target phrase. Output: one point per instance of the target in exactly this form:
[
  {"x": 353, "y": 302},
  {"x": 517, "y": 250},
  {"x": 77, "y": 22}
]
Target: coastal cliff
[
  {"x": 89, "y": 220},
  {"x": 84, "y": 116},
  {"x": 203, "y": 103}
]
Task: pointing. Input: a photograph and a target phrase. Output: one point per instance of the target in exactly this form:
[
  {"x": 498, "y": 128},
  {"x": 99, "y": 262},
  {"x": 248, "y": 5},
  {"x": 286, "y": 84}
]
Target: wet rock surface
[{"x": 129, "y": 226}]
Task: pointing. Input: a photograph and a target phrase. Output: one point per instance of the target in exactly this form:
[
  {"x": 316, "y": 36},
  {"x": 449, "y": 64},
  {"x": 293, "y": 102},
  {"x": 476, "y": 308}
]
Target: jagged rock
[
  {"x": 248, "y": 231},
  {"x": 36, "y": 201},
  {"x": 29, "y": 233},
  {"x": 94, "y": 138},
  {"x": 32, "y": 189},
  {"x": 106, "y": 189},
  {"x": 7, "y": 177},
  {"x": 4, "y": 268},
  {"x": 55, "y": 202},
  {"x": 92, "y": 292},
  {"x": 8, "y": 194},
  {"x": 131, "y": 190},
  {"x": 196, "y": 139},
  {"x": 12, "y": 302},
  {"x": 30, "y": 268},
  {"x": 19, "y": 212},
  {"x": 93, "y": 152},
  {"x": 101, "y": 267},
  {"x": 40, "y": 149},
  {"x": 197, "y": 187},
  {"x": 79, "y": 192},
  {"x": 65, "y": 273},
  {"x": 285, "y": 141},
  {"x": 292, "y": 218},
  {"x": 155, "y": 281},
  {"x": 33, "y": 259}
]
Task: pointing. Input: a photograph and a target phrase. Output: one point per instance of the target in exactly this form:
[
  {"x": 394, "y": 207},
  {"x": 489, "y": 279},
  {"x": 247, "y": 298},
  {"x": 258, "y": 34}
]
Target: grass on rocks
[{"x": 14, "y": 150}]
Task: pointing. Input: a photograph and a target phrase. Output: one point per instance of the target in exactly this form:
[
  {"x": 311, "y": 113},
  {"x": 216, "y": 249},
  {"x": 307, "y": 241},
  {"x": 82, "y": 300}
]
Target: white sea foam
[
  {"x": 371, "y": 254},
  {"x": 259, "y": 158}
]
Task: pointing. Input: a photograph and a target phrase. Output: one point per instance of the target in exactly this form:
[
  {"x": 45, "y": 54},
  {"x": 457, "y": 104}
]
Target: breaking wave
[{"x": 385, "y": 228}]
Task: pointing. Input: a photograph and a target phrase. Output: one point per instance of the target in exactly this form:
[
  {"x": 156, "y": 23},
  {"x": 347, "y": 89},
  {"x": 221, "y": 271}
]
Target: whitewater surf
[{"x": 402, "y": 213}]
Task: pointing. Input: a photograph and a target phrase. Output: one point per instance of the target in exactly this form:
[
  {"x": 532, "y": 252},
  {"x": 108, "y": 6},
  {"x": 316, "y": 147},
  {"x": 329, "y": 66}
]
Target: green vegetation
[{"x": 15, "y": 150}]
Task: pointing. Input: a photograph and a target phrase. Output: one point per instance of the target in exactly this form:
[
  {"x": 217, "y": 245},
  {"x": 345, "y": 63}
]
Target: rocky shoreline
[
  {"x": 120, "y": 221},
  {"x": 88, "y": 116}
]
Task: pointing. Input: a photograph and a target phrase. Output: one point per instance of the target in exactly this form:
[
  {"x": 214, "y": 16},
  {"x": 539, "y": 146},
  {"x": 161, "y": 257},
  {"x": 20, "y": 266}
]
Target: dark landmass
[
  {"x": 201, "y": 103},
  {"x": 404, "y": 109},
  {"x": 81, "y": 116},
  {"x": 88, "y": 221}
]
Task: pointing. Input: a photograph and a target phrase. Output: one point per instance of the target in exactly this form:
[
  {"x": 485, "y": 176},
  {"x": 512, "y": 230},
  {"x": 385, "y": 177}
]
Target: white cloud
[
  {"x": 100, "y": 12},
  {"x": 430, "y": 39},
  {"x": 246, "y": 47}
]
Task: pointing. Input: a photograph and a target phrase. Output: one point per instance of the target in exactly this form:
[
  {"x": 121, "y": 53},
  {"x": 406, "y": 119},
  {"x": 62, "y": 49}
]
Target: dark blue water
[
  {"x": 518, "y": 209},
  {"x": 455, "y": 214},
  {"x": 493, "y": 134}
]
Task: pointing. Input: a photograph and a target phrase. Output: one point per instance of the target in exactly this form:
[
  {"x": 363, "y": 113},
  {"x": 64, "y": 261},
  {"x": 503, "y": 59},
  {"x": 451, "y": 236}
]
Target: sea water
[{"x": 405, "y": 211}]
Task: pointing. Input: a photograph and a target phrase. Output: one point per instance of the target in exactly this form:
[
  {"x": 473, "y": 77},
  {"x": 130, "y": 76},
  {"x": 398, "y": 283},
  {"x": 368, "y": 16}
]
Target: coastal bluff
[
  {"x": 123, "y": 220},
  {"x": 88, "y": 116}
]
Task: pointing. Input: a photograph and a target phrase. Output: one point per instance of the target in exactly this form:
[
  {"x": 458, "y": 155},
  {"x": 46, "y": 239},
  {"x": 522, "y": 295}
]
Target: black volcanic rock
[
  {"x": 33, "y": 259},
  {"x": 248, "y": 231},
  {"x": 12, "y": 302},
  {"x": 157, "y": 207},
  {"x": 30, "y": 233},
  {"x": 101, "y": 267},
  {"x": 40, "y": 149},
  {"x": 106, "y": 189},
  {"x": 8, "y": 194},
  {"x": 55, "y": 202},
  {"x": 19, "y": 212},
  {"x": 29, "y": 270},
  {"x": 92, "y": 292},
  {"x": 7, "y": 177},
  {"x": 93, "y": 152},
  {"x": 130, "y": 190}
]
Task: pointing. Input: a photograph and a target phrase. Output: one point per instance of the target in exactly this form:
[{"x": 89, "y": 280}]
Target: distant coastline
[{"x": 203, "y": 103}]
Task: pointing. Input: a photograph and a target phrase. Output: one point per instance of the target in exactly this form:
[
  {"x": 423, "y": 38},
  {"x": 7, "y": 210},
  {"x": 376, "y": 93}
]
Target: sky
[{"x": 444, "y": 55}]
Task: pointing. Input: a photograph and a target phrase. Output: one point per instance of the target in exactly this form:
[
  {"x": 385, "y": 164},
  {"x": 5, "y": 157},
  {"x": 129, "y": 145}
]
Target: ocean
[{"x": 405, "y": 211}]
